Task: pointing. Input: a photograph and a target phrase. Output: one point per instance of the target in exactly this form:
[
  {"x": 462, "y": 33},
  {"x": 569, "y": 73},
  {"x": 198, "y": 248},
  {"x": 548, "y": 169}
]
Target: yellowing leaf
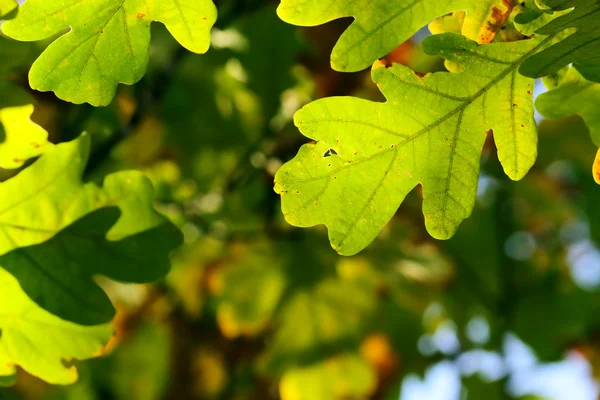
[
  {"x": 431, "y": 130},
  {"x": 39, "y": 342},
  {"x": 596, "y": 168},
  {"x": 107, "y": 43},
  {"x": 345, "y": 376}
]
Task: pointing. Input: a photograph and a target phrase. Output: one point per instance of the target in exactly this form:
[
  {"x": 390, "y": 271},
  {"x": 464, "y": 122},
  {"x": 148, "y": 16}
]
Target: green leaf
[
  {"x": 108, "y": 41},
  {"x": 344, "y": 376},
  {"x": 379, "y": 25},
  {"x": 49, "y": 196},
  {"x": 23, "y": 139},
  {"x": 573, "y": 95},
  {"x": 39, "y": 342},
  {"x": 581, "y": 48},
  {"x": 55, "y": 269},
  {"x": 431, "y": 130}
]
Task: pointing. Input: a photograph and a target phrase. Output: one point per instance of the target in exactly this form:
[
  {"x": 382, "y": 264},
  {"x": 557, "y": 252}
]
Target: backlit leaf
[
  {"x": 58, "y": 274},
  {"x": 55, "y": 269},
  {"x": 6, "y": 6},
  {"x": 107, "y": 42},
  {"x": 40, "y": 342},
  {"x": 23, "y": 139},
  {"x": 49, "y": 196},
  {"x": 381, "y": 25},
  {"x": 431, "y": 130}
]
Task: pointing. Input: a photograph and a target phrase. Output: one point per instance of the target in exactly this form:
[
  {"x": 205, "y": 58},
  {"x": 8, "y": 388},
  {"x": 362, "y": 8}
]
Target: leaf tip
[{"x": 596, "y": 168}]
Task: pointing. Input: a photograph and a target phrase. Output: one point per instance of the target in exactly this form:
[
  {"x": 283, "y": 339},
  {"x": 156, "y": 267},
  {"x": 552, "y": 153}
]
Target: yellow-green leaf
[
  {"x": 47, "y": 197},
  {"x": 341, "y": 377},
  {"x": 380, "y": 25},
  {"x": 369, "y": 156},
  {"x": 23, "y": 139},
  {"x": 107, "y": 42},
  {"x": 6, "y": 6},
  {"x": 39, "y": 342}
]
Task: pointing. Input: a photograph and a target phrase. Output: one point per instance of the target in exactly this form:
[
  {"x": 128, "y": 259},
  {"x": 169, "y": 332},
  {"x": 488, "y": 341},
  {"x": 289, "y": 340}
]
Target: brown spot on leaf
[
  {"x": 495, "y": 21},
  {"x": 140, "y": 15},
  {"x": 383, "y": 62}
]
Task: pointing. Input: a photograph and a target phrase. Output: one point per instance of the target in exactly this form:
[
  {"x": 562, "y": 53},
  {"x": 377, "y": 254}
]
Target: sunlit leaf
[
  {"x": 54, "y": 252},
  {"x": 345, "y": 376},
  {"x": 23, "y": 139},
  {"x": 39, "y": 342},
  {"x": 381, "y": 25},
  {"x": 57, "y": 274},
  {"x": 49, "y": 196},
  {"x": 107, "y": 42},
  {"x": 431, "y": 130},
  {"x": 6, "y": 6}
]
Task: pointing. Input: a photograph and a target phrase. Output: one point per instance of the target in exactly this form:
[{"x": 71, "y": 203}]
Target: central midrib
[{"x": 444, "y": 118}]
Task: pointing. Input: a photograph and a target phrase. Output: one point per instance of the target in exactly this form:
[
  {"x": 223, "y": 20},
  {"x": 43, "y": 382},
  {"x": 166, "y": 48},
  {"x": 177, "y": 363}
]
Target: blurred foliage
[{"x": 256, "y": 309}]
